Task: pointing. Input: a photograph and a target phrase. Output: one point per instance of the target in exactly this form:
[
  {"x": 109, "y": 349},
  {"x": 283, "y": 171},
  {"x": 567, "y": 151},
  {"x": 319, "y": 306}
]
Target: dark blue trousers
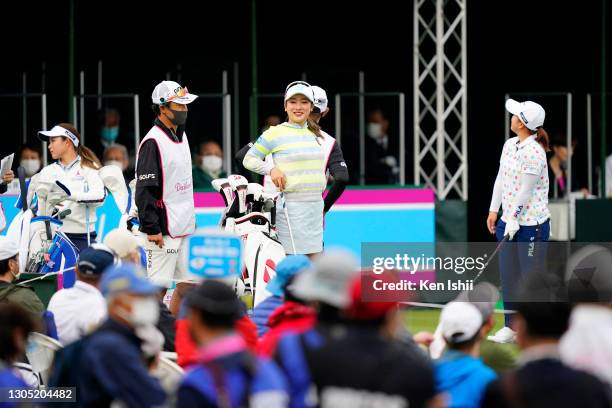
[{"x": 524, "y": 255}]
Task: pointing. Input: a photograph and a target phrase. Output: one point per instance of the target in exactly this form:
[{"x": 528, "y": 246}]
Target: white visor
[{"x": 57, "y": 131}]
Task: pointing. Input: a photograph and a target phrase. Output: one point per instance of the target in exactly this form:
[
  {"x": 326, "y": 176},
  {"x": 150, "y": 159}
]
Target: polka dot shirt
[{"x": 527, "y": 157}]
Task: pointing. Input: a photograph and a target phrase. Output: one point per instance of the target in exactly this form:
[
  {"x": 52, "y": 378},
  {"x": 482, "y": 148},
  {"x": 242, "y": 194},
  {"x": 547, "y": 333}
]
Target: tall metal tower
[{"x": 440, "y": 97}]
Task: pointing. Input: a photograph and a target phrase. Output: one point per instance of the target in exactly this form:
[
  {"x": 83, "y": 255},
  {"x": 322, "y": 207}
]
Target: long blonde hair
[{"x": 88, "y": 157}]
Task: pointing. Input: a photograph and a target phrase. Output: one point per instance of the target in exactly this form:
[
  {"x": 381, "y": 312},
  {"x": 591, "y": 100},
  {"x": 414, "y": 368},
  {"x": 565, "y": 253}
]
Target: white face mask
[
  {"x": 31, "y": 166},
  {"x": 114, "y": 163},
  {"x": 18, "y": 273},
  {"x": 145, "y": 311},
  {"x": 375, "y": 130},
  {"x": 211, "y": 163}
]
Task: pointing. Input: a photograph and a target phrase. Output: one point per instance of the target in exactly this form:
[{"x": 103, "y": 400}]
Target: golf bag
[
  {"x": 251, "y": 214},
  {"x": 44, "y": 248}
]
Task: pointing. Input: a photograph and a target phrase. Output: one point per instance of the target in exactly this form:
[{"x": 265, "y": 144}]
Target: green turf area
[{"x": 423, "y": 319}]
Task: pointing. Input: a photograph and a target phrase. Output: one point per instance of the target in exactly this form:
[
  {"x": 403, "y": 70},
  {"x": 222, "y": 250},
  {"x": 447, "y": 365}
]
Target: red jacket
[
  {"x": 187, "y": 351},
  {"x": 289, "y": 317}
]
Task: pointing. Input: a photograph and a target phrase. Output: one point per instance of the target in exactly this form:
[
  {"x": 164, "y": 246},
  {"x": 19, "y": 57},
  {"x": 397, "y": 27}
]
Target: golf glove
[{"x": 512, "y": 226}]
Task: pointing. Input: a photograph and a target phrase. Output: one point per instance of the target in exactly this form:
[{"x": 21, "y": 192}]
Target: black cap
[
  {"x": 215, "y": 298},
  {"x": 94, "y": 260}
]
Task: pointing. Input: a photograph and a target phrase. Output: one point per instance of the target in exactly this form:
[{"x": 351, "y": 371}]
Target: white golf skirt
[{"x": 306, "y": 222}]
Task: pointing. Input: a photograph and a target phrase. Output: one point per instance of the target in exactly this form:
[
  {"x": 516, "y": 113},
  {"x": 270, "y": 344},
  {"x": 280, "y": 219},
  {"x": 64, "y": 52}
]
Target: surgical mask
[
  {"x": 211, "y": 163},
  {"x": 180, "y": 117},
  {"x": 375, "y": 130},
  {"x": 16, "y": 274},
  {"x": 31, "y": 166},
  {"x": 144, "y": 311},
  {"x": 114, "y": 163},
  {"x": 109, "y": 134}
]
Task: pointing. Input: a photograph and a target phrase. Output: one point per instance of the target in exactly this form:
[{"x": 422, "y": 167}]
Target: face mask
[
  {"x": 211, "y": 163},
  {"x": 31, "y": 166},
  {"x": 144, "y": 311},
  {"x": 114, "y": 163},
  {"x": 15, "y": 273},
  {"x": 374, "y": 130},
  {"x": 109, "y": 134},
  {"x": 180, "y": 117}
]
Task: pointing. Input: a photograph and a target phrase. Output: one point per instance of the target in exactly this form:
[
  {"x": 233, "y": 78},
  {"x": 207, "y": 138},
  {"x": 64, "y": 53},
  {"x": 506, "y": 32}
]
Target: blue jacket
[
  {"x": 464, "y": 378},
  {"x": 113, "y": 368},
  {"x": 8, "y": 379},
  {"x": 262, "y": 312},
  {"x": 236, "y": 374}
]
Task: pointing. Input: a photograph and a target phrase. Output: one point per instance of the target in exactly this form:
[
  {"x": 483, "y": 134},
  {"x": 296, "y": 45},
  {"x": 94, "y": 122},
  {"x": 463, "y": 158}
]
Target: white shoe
[{"x": 504, "y": 335}]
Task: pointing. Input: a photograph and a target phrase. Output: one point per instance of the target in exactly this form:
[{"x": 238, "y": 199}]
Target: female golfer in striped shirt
[{"x": 297, "y": 171}]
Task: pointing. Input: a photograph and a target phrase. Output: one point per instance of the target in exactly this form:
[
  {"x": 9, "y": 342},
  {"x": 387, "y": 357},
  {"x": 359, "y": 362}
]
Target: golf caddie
[{"x": 164, "y": 189}]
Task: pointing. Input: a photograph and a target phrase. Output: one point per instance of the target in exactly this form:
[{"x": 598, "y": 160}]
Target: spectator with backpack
[{"x": 341, "y": 361}]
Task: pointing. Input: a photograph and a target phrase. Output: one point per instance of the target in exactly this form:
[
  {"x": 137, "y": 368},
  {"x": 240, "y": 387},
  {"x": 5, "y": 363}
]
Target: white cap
[
  {"x": 460, "y": 321},
  {"x": 121, "y": 242},
  {"x": 170, "y": 91},
  {"x": 8, "y": 248},
  {"x": 57, "y": 131},
  {"x": 299, "y": 88},
  {"x": 329, "y": 282},
  {"x": 530, "y": 113},
  {"x": 320, "y": 98}
]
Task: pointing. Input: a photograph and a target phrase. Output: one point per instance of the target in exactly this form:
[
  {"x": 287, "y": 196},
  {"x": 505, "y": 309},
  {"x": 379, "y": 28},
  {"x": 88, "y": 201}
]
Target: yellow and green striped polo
[{"x": 298, "y": 154}]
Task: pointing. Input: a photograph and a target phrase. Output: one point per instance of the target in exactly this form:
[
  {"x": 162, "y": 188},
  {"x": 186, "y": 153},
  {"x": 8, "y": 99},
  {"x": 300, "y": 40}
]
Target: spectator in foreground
[
  {"x": 115, "y": 365},
  {"x": 227, "y": 374},
  {"x": 542, "y": 380},
  {"x": 81, "y": 308},
  {"x": 460, "y": 374}
]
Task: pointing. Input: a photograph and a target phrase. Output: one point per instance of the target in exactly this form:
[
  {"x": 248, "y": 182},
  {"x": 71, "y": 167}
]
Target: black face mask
[{"x": 180, "y": 117}]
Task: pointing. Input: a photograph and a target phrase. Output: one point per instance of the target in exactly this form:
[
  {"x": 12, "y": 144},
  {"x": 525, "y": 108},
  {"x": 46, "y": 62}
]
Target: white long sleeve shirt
[
  {"x": 77, "y": 311},
  {"x": 86, "y": 188}
]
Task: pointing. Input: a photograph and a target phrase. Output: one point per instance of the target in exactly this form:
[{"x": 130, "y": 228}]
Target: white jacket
[{"x": 85, "y": 188}]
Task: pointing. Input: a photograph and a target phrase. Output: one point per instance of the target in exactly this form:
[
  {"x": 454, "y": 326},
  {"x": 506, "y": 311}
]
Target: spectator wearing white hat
[
  {"x": 164, "y": 188},
  {"x": 80, "y": 309},
  {"x": 521, "y": 189},
  {"x": 71, "y": 183},
  {"x": 460, "y": 373},
  {"x": 21, "y": 295},
  {"x": 297, "y": 170},
  {"x": 484, "y": 296},
  {"x": 124, "y": 244}
]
